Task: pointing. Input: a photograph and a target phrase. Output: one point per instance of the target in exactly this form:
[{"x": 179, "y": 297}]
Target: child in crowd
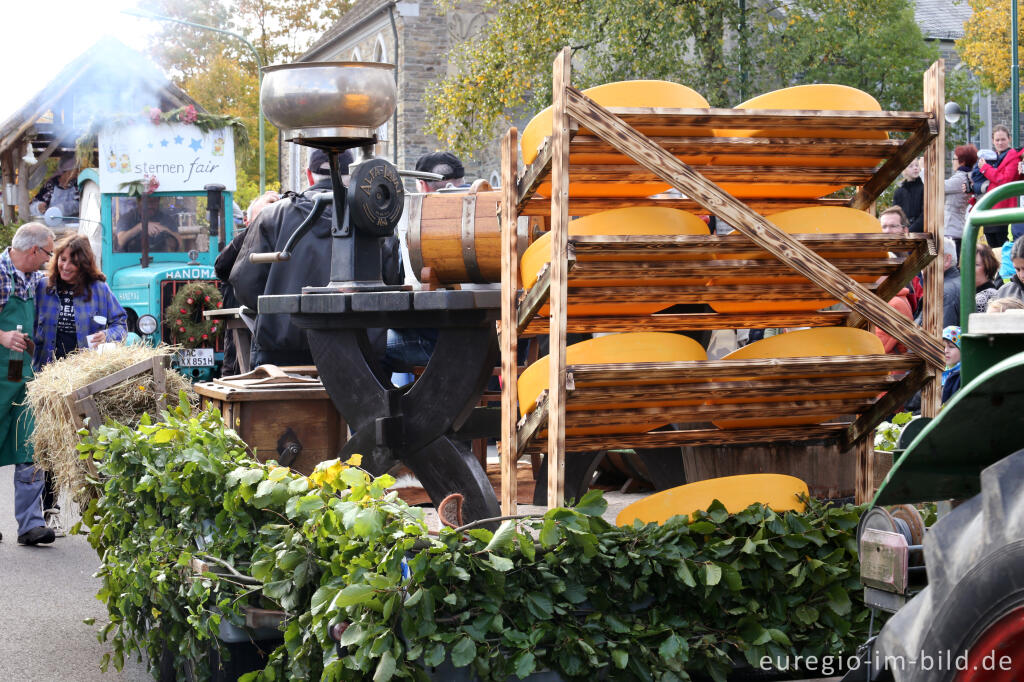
[{"x": 951, "y": 375}]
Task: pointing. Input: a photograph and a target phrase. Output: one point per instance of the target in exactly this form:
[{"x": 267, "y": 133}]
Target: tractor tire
[{"x": 975, "y": 594}]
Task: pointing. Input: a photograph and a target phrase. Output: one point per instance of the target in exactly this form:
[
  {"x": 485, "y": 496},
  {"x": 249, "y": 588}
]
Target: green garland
[
  {"x": 205, "y": 121},
  {"x": 184, "y": 315}
]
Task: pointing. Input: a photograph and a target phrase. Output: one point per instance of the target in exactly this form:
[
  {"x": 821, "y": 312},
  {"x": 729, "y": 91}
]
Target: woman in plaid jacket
[{"x": 74, "y": 303}]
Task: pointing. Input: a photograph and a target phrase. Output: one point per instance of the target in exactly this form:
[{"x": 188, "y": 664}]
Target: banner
[{"x": 180, "y": 156}]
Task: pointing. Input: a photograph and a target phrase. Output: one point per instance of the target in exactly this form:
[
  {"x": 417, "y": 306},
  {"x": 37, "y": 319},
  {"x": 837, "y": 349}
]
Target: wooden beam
[
  {"x": 687, "y": 371},
  {"x": 709, "y": 436},
  {"x": 689, "y": 293},
  {"x": 886, "y": 405},
  {"x": 509, "y": 332},
  {"x": 806, "y": 120},
  {"x": 934, "y": 199},
  {"x": 23, "y": 196},
  {"x": 892, "y": 168},
  {"x": 864, "y": 484},
  {"x": 915, "y": 261},
  {"x": 694, "y": 321},
  {"x": 541, "y": 206},
  {"x": 811, "y": 147},
  {"x": 559, "y": 271},
  {"x": 764, "y": 233}
]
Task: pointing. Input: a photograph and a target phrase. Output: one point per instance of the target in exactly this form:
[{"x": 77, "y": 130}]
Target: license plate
[{"x": 195, "y": 357}]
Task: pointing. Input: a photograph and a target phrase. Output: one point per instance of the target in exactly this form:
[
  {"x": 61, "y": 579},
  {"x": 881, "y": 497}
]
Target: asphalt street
[{"x": 46, "y": 592}]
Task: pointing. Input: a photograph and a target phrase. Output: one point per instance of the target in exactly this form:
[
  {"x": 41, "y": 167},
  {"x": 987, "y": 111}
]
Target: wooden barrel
[{"x": 457, "y": 236}]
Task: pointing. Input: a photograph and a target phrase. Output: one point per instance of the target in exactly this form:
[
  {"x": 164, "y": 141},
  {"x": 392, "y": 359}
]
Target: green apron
[{"x": 16, "y": 421}]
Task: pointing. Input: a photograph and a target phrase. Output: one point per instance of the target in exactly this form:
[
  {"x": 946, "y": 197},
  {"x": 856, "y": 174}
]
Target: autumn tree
[
  {"x": 727, "y": 50},
  {"x": 985, "y": 47},
  {"x": 220, "y": 72}
]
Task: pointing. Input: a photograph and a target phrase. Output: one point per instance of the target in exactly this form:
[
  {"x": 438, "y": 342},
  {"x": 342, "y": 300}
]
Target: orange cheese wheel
[
  {"x": 639, "y": 93},
  {"x": 613, "y": 349},
  {"x": 811, "y": 220},
  {"x": 778, "y": 491},
  {"x": 804, "y": 343},
  {"x": 821, "y": 97},
  {"x": 636, "y": 220}
]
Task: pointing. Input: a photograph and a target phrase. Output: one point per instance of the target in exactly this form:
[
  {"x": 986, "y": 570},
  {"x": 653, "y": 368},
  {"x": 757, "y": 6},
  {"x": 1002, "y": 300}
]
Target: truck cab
[{"x": 182, "y": 245}]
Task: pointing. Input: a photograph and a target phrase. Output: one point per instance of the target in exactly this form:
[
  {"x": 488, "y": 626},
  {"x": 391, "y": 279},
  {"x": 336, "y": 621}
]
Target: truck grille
[{"x": 168, "y": 289}]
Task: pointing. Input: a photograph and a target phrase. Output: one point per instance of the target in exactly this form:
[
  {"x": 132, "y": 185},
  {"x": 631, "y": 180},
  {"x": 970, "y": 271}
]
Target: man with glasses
[{"x": 31, "y": 248}]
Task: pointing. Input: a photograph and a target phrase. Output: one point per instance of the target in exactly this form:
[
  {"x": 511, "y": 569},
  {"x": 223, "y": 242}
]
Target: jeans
[
  {"x": 408, "y": 348},
  {"x": 28, "y": 493}
]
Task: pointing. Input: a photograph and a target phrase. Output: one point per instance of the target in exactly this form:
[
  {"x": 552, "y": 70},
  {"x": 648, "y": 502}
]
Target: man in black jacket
[
  {"x": 276, "y": 340},
  {"x": 910, "y": 196}
]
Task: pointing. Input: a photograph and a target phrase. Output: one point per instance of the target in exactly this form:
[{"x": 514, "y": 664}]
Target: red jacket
[
  {"x": 902, "y": 305},
  {"x": 1002, "y": 174}
]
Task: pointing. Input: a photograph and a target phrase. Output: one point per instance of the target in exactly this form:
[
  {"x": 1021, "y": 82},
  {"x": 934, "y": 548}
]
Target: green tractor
[{"x": 956, "y": 591}]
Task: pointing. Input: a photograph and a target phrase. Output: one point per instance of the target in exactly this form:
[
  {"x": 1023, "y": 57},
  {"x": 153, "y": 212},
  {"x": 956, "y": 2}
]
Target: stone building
[{"x": 415, "y": 37}]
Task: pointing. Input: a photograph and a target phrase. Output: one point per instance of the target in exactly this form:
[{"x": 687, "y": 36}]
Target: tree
[
  {"x": 985, "y": 47},
  {"x": 725, "y": 49},
  {"x": 219, "y": 71}
]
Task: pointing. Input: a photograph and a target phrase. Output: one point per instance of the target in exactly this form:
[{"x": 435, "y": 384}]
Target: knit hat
[
  {"x": 444, "y": 164},
  {"x": 952, "y": 334}
]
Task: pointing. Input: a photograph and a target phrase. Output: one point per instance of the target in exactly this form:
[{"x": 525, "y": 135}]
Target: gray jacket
[
  {"x": 956, "y": 205},
  {"x": 951, "y": 297},
  {"x": 1012, "y": 289}
]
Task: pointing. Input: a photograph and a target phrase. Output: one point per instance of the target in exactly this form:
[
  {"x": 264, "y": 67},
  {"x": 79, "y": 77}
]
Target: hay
[{"x": 55, "y": 437}]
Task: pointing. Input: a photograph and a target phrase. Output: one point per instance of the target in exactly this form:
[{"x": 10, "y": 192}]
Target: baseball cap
[
  {"x": 445, "y": 164},
  {"x": 320, "y": 163}
]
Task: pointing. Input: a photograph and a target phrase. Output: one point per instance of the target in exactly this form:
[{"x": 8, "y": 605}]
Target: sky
[{"x": 41, "y": 38}]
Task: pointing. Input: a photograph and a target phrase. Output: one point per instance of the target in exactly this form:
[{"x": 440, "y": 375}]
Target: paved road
[{"x": 45, "y": 594}]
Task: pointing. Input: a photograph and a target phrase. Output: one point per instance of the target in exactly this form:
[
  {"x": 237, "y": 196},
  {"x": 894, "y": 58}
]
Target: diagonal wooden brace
[{"x": 769, "y": 237}]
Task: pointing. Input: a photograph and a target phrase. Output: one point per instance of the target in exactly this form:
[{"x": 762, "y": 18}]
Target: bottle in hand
[{"x": 15, "y": 362}]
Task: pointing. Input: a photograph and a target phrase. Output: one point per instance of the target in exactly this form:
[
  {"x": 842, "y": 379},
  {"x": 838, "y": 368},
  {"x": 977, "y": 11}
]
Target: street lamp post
[{"x": 259, "y": 67}]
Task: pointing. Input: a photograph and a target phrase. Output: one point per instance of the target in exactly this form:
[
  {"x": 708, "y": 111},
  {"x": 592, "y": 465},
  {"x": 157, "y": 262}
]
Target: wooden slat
[
  {"x": 697, "y": 294},
  {"x": 624, "y": 416},
  {"x": 733, "y": 390},
  {"x": 934, "y": 198},
  {"x": 612, "y": 247},
  {"x": 663, "y": 372},
  {"x": 509, "y": 329},
  {"x": 886, "y": 405},
  {"x": 533, "y": 175},
  {"x": 770, "y": 237},
  {"x": 694, "y": 321},
  {"x": 768, "y": 119},
  {"x": 923, "y": 255},
  {"x": 588, "y": 271},
  {"x": 559, "y": 273},
  {"x": 864, "y": 484},
  {"x": 812, "y": 147},
  {"x": 691, "y": 437},
  {"x": 160, "y": 381},
  {"x": 541, "y": 206},
  {"x": 753, "y": 175},
  {"x": 114, "y": 379}
]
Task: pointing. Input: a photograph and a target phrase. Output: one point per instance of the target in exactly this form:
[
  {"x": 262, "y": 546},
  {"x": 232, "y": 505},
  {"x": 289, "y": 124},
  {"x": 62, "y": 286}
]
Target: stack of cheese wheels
[
  {"x": 805, "y": 343},
  {"x": 659, "y": 94},
  {"x": 778, "y": 491},
  {"x": 624, "y": 348},
  {"x": 823, "y": 97},
  {"x": 811, "y": 220},
  {"x": 637, "y": 220}
]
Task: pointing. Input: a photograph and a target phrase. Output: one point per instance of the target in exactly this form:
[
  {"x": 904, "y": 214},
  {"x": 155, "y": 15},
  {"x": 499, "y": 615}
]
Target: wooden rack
[{"x": 582, "y": 129}]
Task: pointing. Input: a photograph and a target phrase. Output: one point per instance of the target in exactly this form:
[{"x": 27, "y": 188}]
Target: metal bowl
[{"x": 329, "y": 95}]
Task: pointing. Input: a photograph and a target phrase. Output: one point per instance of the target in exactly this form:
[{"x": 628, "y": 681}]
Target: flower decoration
[
  {"x": 188, "y": 114},
  {"x": 155, "y": 115},
  {"x": 191, "y": 329}
]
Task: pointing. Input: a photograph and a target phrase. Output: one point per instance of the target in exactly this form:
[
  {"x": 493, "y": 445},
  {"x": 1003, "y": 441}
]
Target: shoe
[
  {"x": 36, "y": 536},
  {"x": 52, "y": 519}
]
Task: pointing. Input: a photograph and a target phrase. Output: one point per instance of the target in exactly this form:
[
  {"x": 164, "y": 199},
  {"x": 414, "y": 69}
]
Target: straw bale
[{"x": 55, "y": 437}]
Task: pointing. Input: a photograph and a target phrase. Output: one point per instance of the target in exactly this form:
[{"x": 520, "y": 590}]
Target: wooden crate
[
  {"x": 267, "y": 417},
  {"x": 831, "y": 264}
]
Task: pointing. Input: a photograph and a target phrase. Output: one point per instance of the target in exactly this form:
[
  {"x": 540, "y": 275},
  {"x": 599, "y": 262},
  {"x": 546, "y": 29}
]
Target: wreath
[{"x": 184, "y": 315}]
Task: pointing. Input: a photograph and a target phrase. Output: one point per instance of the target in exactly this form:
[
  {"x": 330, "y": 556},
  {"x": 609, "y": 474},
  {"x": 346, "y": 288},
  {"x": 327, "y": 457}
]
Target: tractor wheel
[{"x": 967, "y": 625}]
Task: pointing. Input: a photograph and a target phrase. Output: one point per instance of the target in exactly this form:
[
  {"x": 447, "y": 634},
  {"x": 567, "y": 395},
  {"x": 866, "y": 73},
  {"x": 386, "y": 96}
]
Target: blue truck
[{"x": 180, "y": 245}]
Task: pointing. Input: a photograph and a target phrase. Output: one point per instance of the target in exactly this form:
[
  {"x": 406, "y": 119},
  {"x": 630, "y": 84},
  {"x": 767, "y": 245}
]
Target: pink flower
[
  {"x": 150, "y": 184},
  {"x": 188, "y": 115},
  {"x": 154, "y": 115}
]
